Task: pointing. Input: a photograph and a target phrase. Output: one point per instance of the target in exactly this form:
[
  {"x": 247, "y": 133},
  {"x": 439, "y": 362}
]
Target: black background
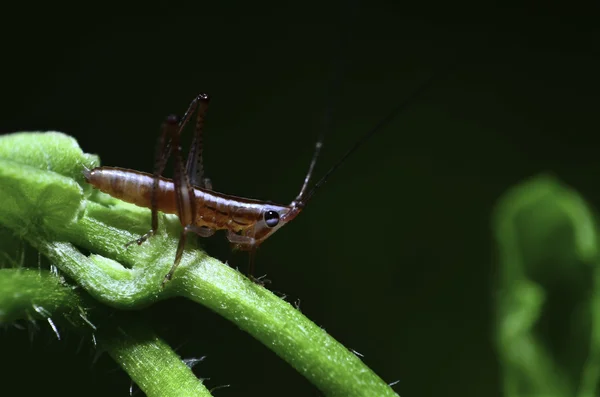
[{"x": 393, "y": 257}]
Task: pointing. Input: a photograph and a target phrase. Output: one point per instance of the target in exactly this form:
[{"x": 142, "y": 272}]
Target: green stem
[
  {"x": 150, "y": 362},
  {"x": 313, "y": 352}
]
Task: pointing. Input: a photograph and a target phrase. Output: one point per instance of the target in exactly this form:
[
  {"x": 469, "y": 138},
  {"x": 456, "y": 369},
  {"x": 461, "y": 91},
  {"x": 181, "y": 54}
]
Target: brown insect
[{"x": 189, "y": 194}]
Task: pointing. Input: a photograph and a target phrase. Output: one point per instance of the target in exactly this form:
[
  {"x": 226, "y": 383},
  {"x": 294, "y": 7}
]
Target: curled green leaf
[{"x": 548, "y": 298}]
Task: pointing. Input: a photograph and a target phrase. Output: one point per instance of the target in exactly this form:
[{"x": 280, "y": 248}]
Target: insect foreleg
[
  {"x": 201, "y": 231},
  {"x": 246, "y": 243},
  {"x": 240, "y": 239}
]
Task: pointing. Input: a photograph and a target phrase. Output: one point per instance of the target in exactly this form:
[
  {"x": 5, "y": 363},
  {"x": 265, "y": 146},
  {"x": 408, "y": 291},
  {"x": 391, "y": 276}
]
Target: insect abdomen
[{"x": 133, "y": 187}]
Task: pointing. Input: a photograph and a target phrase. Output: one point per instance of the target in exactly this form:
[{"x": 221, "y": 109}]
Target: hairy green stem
[
  {"x": 150, "y": 362},
  {"x": 284, "y": 329}
]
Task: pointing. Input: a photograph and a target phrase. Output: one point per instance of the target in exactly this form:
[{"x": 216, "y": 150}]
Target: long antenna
[
  {"x": 336, "y": 73},
  {"x": 303, "y": 198}
]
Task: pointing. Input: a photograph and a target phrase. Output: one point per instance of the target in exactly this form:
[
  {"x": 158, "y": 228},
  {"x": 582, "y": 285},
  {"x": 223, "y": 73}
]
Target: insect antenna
[
  {"x": 336, "y": 70},
  {"x": 311, "y": 167},
  {"x": 304, "y": 196}
]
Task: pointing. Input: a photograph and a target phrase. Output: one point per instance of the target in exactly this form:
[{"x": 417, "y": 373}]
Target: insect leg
[
  {"x": 163, "y": 150},
  {"x": 195, "y": 162},
  {"x": 201, "y": 231},
  {"x": 194, "y": 167},
  {"x": 184, "y": 191},
  {"x": 251, "y": 261},
  {"x": 247, "y": 243},
  {"x": 178, "y": 255},
  {"x": 235, "y": 238}
]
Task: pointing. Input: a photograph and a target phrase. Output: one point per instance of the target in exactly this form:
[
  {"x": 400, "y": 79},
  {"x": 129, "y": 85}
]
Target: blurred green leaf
[{"x": 548, "y": 300}]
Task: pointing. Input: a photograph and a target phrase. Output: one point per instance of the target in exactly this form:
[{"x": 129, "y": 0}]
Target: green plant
[
  {"x": 548, "y": 297},
  {"x": 45, "y": 202}
]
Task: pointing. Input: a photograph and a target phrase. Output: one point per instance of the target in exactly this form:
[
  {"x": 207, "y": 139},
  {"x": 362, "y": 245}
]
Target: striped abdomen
[{"x": 133, "y": 187}]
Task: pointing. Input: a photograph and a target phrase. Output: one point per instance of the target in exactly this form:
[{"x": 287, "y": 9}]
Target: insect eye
[{"x": 271, "y": 218}]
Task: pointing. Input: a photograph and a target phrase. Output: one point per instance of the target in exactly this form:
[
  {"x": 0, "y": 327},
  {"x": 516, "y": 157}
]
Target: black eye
[{"x": 271, "y": 218}]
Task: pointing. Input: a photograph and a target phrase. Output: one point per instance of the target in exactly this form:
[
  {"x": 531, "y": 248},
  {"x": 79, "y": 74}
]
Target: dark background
[{"x": 393, "y": 257}]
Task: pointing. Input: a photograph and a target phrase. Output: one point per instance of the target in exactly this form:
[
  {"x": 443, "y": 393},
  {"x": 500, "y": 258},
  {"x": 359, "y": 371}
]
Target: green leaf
[
  {"x": 48, "y": 151},
  {"x": 548, "y": 297}
]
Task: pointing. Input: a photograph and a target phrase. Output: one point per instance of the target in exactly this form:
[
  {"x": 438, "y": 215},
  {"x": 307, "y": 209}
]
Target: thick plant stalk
[
  {"x": 150, "y": 362},
  {"x": 48, "y": 204}
]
